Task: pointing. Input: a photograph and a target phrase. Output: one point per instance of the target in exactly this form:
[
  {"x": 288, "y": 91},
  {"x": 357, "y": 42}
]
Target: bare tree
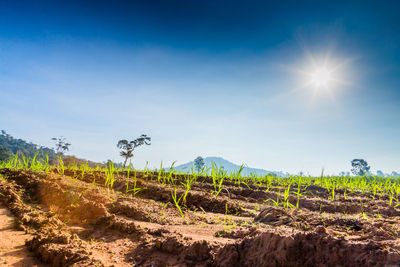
[
  {"x": 129, "y": 146},
  {"x": 61, "y": 145}
]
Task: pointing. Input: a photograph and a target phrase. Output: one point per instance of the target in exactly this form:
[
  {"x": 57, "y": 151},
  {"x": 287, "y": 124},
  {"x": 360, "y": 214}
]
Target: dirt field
[{"x": 73, "y": 219}]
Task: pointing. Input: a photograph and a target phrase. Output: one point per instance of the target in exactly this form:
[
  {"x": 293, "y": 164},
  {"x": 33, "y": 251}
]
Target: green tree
[
  {"x": 129, "y": 146},
  {"x": 199, "y": 163},
  {"x": 359, "y": 167},
  {"x": 5, "y": 153}
]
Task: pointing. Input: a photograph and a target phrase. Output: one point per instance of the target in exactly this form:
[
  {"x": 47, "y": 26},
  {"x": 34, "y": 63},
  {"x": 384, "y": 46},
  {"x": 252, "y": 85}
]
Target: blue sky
[{"x": 209, "y": 78}]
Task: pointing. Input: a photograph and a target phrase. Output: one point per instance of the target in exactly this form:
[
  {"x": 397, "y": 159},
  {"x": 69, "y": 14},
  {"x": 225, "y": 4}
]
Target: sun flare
[
  {"x": 323, "y": 73},
  {"x": 321, "y": 77}
]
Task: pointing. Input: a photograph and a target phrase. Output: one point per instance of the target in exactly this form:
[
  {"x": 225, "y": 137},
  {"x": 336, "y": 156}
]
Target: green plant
[
  {"x": 110, "y": 179},
  {"x": 135, "y": 189},
  {"x": 169, "y": 178},
  {"x": 61, "y": 165},
  {"x": 189, "y": 179},
  {"x": 298, "y": 194},
  {"x": 177, "y": 201},
  {"x": 218, "y": 176},
  {"x": 160, "y": 174},
  {"x": 127, "y": 177}
]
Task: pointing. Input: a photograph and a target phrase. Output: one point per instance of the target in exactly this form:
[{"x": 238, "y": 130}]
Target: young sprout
[
  {"x": 127, "y": 176},
  {"x": 177, "y": 201},
  {"x": 61, "y": 165},
  {"x": 110, "y": 179},
  {"x": 188, "y": 185},
  {"x": 218, "y": 176},
  {"x": 135, "y": 189}
]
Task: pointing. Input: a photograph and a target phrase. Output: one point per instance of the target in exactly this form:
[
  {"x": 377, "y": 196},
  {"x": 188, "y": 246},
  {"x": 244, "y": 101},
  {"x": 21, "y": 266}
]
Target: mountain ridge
[{"x": 228, "y": 166}]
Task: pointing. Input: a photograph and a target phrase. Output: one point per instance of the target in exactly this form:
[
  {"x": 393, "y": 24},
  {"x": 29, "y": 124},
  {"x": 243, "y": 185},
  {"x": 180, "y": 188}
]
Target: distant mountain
[{"x": 228, "y": 166}]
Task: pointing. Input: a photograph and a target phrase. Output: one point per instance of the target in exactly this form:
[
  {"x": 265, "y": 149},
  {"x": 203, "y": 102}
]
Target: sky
[{"x": 234, "y": 79}]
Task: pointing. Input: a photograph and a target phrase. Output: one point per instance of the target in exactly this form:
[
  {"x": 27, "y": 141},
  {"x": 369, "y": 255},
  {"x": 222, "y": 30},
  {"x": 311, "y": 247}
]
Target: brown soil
[
  {"x": 12, "y": 243},
  {"x": 73, "y": 219}
]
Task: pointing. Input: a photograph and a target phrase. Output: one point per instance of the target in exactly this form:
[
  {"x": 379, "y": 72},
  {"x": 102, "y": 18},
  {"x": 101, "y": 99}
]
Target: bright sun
[
  {"x": 321, "y": 77},
  {"x": 322, "y": 74}
]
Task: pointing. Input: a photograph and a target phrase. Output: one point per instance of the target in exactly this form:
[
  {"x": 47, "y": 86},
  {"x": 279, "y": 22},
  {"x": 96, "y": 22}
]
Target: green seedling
[
  {"x": 177, "y": 201},
  {"x": 61, "y": 165}
]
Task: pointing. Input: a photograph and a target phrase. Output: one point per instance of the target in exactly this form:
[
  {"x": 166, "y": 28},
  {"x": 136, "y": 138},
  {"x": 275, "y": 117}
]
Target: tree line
[{"x": 9, "y": 146}]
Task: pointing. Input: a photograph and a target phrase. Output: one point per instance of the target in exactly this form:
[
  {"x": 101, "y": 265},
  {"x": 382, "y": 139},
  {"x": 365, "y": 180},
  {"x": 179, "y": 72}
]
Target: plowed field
[{"x": 73, "y": 219}]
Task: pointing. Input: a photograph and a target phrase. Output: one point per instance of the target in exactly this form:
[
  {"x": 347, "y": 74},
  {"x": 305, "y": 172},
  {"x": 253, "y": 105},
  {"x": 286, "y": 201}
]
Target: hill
[
  {"x": 10, "y": 145},
  {"x": 228, "y": 166}
]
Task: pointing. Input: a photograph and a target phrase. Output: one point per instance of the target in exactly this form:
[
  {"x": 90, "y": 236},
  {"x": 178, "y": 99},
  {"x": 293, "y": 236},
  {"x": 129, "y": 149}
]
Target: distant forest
[{"x": 10, "y": 145}]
